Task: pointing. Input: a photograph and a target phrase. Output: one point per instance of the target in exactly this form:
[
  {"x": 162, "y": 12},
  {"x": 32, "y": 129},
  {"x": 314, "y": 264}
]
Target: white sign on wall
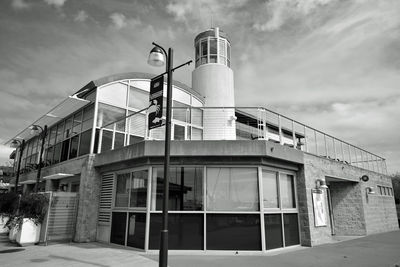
[{"x": 319, "y": 207}]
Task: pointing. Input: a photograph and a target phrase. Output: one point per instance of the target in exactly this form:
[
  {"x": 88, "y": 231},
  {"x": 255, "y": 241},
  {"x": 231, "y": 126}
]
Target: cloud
[
  {"x": 280, "y": 12},
  {"x": 119, "y": 21},
  {"x": 197, "y": 15},
  {"x": 55, "y": 3},
  {"x": 19, "y": 4},
  {"x": 81, "y": 16}
]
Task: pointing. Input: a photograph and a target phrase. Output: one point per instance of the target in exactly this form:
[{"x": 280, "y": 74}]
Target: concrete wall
[
  {"x": 347, "y": 208},
  {"x": 378, "y": 211},
  {"x": 89, "y": 193}
]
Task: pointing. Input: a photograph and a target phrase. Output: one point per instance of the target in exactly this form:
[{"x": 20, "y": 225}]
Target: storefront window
[
  {"x": 138, "y": 189},
  {"x": 273, "y": 231},
  {"x": 270, "y": 189},
  {"x": 185, "y": 231},
  {"x": 287, "y": 191},
  {"x": 122, "y": 190},
  {"x": 185, "y": 188},
  {"x": 232, "y": 189},
  {"x": 291, "y": 229},
  {"x": 118, "y": 228},
  {"x": 233, "y": 232},
  {"x": 136, "y": 230}
]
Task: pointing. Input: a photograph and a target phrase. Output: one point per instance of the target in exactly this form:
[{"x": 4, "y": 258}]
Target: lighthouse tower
[{"x": 213, "y": 78}]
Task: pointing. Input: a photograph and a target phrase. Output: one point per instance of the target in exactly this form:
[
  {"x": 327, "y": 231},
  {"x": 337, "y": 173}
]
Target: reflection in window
[
  {"x": 273, "y": 231},
  {"x": 179, "y": 132},
  {"x": 64, "y": 150},
  {"x": 109, "y": 114},
  {"x": 287, "y": 191},
  {"x": 106, "y": 141},
  {"x": 291, "y": 229},
  {"x": 185, "y": 188},
  {"x": 73, "y": 152},
  {"x": 180, "y": 111},
  {"x": 122, "y": 190},
  {"x": 137, "y": 124},
  {"x": 138, "y": 98},
  {"x": 232, "y": 189},
  {"x": 119, "y": 140},
  {"x": 138, "y": 189},
  {"x": 84, "y": 146},
  {"x": 136, "y": 230},
  {"x": 270, "y": 189}
]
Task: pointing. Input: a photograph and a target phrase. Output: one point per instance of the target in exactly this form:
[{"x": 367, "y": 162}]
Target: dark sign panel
[{"x": 154, "y": 112}]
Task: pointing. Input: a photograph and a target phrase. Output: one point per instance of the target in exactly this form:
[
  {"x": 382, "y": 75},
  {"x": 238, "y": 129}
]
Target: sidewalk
[{"x": 379, "y": 250}]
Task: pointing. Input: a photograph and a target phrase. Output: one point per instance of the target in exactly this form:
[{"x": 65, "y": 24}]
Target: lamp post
[
  {"x": 21, "y": 144},
  {"x": 157, "y": 58},
  {"x": 42, "y": 132}
]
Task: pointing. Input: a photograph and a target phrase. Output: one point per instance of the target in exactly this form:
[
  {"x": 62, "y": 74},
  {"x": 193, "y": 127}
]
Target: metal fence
[{"x": 237, "y": 123}]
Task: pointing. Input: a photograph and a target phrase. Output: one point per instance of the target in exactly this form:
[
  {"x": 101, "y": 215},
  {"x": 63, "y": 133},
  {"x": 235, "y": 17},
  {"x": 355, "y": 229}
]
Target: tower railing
[{"x": 249, "y": 123}]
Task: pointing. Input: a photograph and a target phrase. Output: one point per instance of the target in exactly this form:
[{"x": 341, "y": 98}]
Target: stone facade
[{"x": 354, "y": 211}]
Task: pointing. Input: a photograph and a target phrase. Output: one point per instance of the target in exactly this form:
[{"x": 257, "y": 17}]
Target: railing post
[
  {"x": 293, "y": 135},
  {"x": 280, "y": 130},
  {"x": 316, "y": 142},
  {"x": 334, "y": 147},
  {"x": 305, "y": 139},
  {"x": 349, "y": 147},
  {"x": 326, "y": 146},
  {"x": 341, "y": 147}
]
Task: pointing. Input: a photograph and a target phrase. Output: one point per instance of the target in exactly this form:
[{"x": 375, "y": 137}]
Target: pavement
[{"x": 380, "y": 250}]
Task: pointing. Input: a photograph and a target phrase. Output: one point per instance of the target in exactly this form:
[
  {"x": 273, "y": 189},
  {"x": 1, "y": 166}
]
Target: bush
[
  {"x": 8, "y": 203},
  {"x": 32, "y": 206}
]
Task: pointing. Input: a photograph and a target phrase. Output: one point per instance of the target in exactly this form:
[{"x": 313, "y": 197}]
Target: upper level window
[{"x": 212, "y": 50}]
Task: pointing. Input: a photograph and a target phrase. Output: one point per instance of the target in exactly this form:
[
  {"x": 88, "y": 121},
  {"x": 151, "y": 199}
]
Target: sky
[{"x": 331, "y": 64}]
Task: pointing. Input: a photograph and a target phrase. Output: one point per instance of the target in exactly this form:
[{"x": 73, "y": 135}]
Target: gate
[{"x": 61, "y": 217}]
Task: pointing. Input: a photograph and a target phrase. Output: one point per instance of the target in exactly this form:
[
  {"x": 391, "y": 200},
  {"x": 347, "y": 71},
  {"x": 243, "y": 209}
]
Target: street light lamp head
[
  {"x": 35, "y": 130},
  {"x": 156, "y": 57},
  {"x": 14, "y": 143}
]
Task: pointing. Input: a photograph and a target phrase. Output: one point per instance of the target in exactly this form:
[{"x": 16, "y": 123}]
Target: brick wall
[{"x": 363, "y": 214}]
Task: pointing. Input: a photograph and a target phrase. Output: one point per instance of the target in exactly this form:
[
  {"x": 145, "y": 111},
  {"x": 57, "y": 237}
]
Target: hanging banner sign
[{"x": 154, "y": 112}]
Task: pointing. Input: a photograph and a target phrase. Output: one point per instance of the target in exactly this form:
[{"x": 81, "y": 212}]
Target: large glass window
[
  {"x": 287, "y": 191},
  {"x": 118, "y": 228},
  {"x": 137, "y": 124},
  {"x": 138, "y": 189},
  {"x": 273, "y": 231},
  {"x": 122, "y": 190},
  {"x": 106, "y": 141},
  {"x": 108, "y": 114},
  {"x": 87, "y": 120},
  {"x": 185, "y": 231},
  {"x": 291, "y": 229},
  {"x": 65, "y": 150},
  {"x": 73, "y": 151},
  {"x": 213, "y": 50},
  {"x": 136, "y": 230},
  {"x": 270, "y": 189},
  {"x": 84, "y": 146},
  {"x": 185, "y": 188},
  {"x": 77, "y": 123},
  {"x": 138, "y": 98},
  {"x": 232, "y": 189},
  {"x": 119, "y": 140},
  {"x": 233, "y": 232},
  {"x": 180, "y": 112},
  {"x": 114, "y": 94},
  {"x": 179, "y": 132}
]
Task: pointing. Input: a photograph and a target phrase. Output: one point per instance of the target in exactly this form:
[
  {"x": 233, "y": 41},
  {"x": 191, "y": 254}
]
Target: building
[{"x": 242, "y": 179}]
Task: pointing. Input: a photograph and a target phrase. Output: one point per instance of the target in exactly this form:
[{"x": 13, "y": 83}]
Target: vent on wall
[{"x": 107, "y": 184}]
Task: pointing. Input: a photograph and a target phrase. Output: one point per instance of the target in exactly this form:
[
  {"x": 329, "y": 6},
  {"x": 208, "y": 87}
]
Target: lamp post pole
[
  {"x": 163, "y": 255},
  {"x": 21, "y": 150},
  {"x": 42, "y": 136}
]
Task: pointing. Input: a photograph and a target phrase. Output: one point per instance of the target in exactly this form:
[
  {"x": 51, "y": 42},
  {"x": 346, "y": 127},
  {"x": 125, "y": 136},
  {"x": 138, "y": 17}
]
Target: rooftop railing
[{"x": 237, "y": 123}]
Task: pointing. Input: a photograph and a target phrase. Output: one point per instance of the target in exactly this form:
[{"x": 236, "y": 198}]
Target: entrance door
[{"x": 331, "y": 217}]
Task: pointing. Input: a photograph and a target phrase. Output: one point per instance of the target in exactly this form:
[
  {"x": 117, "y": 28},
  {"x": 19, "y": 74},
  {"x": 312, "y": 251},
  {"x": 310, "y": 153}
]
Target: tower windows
[{"x": 212, "y": 50}]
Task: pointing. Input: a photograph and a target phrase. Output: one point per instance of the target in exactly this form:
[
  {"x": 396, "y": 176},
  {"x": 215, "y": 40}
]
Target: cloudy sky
[{"x": 331, "y": 64}]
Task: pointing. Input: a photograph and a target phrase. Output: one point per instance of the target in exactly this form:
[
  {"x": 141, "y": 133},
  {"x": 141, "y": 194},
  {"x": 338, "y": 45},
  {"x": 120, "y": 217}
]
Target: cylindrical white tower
[{"x": 213, "y": 78}]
